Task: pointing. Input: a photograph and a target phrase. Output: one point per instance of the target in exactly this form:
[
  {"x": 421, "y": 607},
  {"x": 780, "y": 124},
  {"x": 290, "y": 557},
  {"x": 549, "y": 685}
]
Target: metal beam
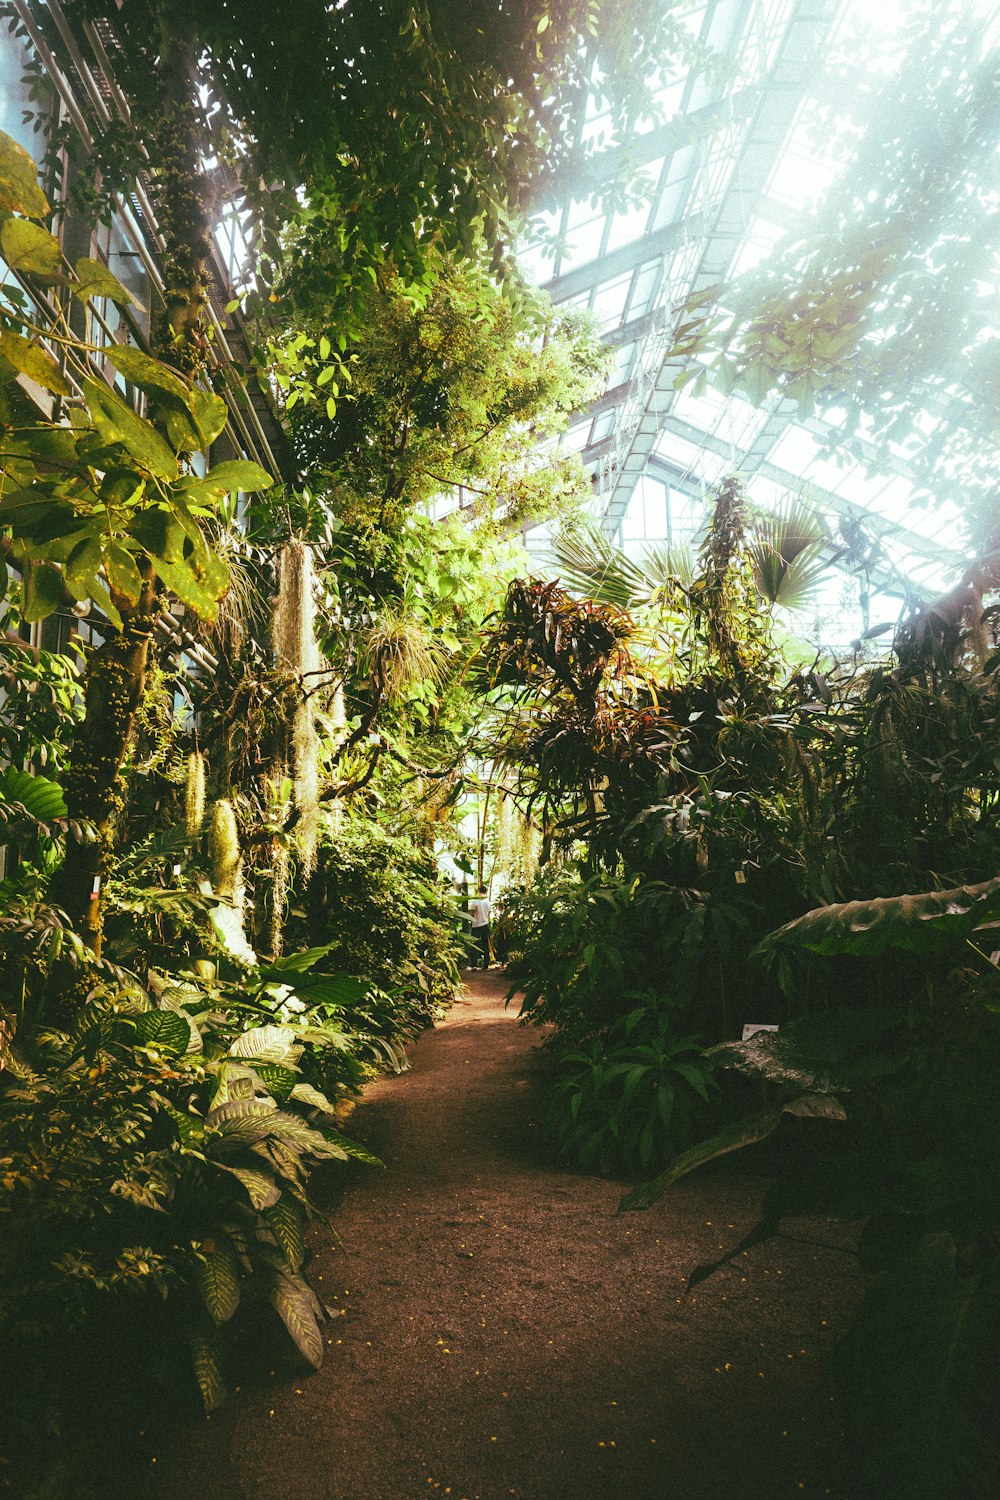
[
  {"x": 606, "y": 267},
  {"x": 757, "y": 147},
  {"x": 922, "y": 546}
]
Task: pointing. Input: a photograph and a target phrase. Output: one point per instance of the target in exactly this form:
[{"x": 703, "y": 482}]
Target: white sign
[{"x": 754, "y": 1026}]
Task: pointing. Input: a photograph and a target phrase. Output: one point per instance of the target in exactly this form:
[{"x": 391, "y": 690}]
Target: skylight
[{"x": 750, "y": 156}]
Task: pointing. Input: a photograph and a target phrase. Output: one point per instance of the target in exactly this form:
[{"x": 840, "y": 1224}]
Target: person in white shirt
[{"x": 480, "y": 908}]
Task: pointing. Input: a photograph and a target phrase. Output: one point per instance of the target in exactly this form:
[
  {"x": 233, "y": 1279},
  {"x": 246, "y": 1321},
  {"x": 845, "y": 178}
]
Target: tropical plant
[
  {"x": 915, "y": 1155},
  {"x": 164, "y": 1149},
  {"x": 627, "y": 1099},
  {"x": 589, "y": 948},
  {"x": 106, "y": 510},
  {"x": 376, "y": 901}
]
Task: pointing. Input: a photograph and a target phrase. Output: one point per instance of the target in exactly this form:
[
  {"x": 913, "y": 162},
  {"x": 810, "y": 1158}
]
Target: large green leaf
[
  {"x": 932, "y": 922},
  {"x": 152, "y": 377},
  {"x": 332, "y": 989},
  {"x": 123, "y": 572},
  {"x": 34, "y": 362},
  {"x": 348, "y": 1148},
  {"x": 30, "y": 248},
  {"x": 294, "y": 1306},
  {"x": 42, "y": 798},
  {"x": 278, "y": 1081},
  {"x": 261, "y": 1188},
  {"x": 118, "y": 423},
  {"x": 95, "y": 280},
  {"x": 296, "y": 963},
  {"x": 234, "y": 474},
  {"x": 198, "y": 581},
  {"x": 211, "y": 414},
  {"x": 917, "y": 1377},
  {"x": 242, "y": 1121},
  {"x": 83, "y": 564},
  {"x": 312, "y": 1098},
  {"x": 218, "y": 1278},
  {"x": 207, "y": 1361},
  {"x": 19, "y": 188},
  {"x": 42, "y": 591},
  {"x": 270, "y": 1044},
  {"x": 746, "y": 1132},
  {"x": 285, "y": 1220},
  {"x": 292, "y": 1130},
  {"x": 165, "y": 1030},
  {"x": 830, "y": 1050}
]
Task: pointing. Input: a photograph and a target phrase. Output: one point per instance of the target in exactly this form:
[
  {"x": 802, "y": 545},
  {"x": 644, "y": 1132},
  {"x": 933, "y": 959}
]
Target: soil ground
[{"x": 500, "y": 1331}]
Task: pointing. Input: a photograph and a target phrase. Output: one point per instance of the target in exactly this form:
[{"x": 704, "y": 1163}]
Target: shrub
[
  {"x": 376, "y": 900},
  {"x": 632, "y": 1097},
  {"x": 163, "y": 1152},
  {"x": 587, "y": 949}
]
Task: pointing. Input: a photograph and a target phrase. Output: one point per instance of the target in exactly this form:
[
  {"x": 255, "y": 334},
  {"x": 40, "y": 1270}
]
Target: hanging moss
[
  {"x": 530, "y": 849},
  {"x": 502, "y": 835},
  {"x": 281, "y": 869},
  {"x": 296, "y": 652},
  {"x": 194, "y": 794},
  {"x": 224, "y": 848}
]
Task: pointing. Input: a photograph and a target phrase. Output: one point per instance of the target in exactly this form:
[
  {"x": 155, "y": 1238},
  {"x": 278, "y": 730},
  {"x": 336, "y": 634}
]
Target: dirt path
[{"x": 503, "y": 1333}]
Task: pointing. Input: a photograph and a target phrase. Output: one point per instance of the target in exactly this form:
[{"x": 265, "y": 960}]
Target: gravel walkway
[{"x": 501, "y": 1332}]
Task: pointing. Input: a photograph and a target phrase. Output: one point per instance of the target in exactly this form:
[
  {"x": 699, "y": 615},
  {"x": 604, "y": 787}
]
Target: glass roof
[{"x": 718, "y": 179}]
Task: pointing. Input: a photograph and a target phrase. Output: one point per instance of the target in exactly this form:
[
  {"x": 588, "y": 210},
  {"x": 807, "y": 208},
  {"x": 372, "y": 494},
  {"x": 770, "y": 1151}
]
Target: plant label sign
[{"x": 752, "y": 1027}]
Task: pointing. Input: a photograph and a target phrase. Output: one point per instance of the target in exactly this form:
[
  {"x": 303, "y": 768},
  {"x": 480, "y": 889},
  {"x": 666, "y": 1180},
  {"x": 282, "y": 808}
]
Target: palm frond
[
  {"x": 787, "y": 554},
  {"x": 590, "y": 564}
]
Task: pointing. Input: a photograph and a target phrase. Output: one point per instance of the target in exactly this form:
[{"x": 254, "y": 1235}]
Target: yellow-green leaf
[
  {"x": 197, "y": 586},
  {"x": 34, "y": 362},
  {"x": 82, "y": 566},
  {"x": 152, "y": 377},
  {"x": 19, "y": 188},
  {"x": 211, "y": 414},
  {"x": 219, "y": 1283},
  {"x": 208, "y": 1370},
  {"x": 123, "y": 574},
  {"x": 29, "y": 247},
  {"x": 95, "y": 280},
  {"x": 42, "y": 592},
  {"x": 118, "y": 423},
  {"x": 104, "y": 602},
  {"x": 234, "y": 474}
]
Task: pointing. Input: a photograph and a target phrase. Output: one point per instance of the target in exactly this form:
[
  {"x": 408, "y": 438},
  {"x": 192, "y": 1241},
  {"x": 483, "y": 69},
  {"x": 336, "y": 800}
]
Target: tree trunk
[
  {"x": 116, "y": 672},
  {"x": 116, "y": 679},
  {"x": 182, "y": 195}
]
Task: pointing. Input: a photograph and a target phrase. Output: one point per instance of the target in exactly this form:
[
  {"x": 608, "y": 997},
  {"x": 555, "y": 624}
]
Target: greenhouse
[{"x": 499, "y": 750}]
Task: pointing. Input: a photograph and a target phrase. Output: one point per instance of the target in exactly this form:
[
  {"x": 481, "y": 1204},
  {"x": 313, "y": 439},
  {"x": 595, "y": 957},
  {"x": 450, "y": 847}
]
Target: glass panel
[{"x": 14, "y": 98}]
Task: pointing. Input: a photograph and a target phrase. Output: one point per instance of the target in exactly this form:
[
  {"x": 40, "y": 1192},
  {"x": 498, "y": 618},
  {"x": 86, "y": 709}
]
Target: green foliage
[
  {"x": 375, "y": 899},
  {"x": 589, "y": 949},
  {"x": 624, "y": 1101},
  {"x": 40, "y": 705},
  {"x": 86, "y": 505},
  {"x": 449, "y": 389},
  {"x": 928, "y": 923},
  {"x": 145, "y": 1154}
]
